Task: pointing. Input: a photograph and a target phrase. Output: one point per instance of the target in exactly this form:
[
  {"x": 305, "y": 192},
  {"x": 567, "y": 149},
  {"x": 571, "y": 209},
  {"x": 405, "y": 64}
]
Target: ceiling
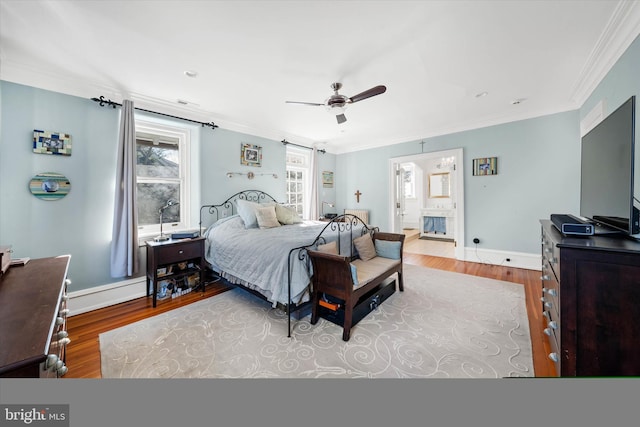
[{"x": 530, "y": 58}]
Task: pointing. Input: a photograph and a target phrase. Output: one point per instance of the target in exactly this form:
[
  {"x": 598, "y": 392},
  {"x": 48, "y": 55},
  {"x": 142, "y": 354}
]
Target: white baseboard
[
  {"x": 495, "y": 257},
  {"x": 86, "y": 300},
  {"x": 90, "y": 299}
]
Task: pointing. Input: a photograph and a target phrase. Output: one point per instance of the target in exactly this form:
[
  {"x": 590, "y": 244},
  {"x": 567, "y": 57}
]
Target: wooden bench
[{"x": 350, "y": 278}]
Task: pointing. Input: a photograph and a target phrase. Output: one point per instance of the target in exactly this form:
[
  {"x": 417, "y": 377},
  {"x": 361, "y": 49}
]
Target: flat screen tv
[{"x": 607, "y": 172}]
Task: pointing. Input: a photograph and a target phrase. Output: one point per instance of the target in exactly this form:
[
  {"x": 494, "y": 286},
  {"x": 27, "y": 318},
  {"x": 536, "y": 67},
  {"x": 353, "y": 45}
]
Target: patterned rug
[{"x": 444, "y": 325}]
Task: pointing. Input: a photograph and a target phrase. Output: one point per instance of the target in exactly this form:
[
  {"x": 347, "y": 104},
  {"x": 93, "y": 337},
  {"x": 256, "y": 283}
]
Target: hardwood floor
[{"x": 83, "y": 353}]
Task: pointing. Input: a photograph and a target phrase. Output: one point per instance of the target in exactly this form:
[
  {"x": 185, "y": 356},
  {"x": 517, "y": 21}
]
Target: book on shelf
[{"x": 185, "y": 234}]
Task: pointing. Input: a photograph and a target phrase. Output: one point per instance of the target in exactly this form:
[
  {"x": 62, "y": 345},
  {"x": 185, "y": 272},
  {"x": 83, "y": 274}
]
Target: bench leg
[
  {"x": 315, "y": 302},
  {"x": 348, "y": 320},
  {"x": 400, "y": 281}
]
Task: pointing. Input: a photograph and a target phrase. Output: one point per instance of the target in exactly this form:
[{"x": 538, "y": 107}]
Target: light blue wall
[
  {"x": 80, "y": 223},
  {"x": 538, "y": 174},
  {"x": 220, "y": 153}
]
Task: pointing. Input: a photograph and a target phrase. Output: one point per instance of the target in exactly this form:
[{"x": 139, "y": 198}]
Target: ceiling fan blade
[
  {"x": 369, "y": 93},
  {"x": 341, "y": 118},
  {"x": 315, "y": 104}
]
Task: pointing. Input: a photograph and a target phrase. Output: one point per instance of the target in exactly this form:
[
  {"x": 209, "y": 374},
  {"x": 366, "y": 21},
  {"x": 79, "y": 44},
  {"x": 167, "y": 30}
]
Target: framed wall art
[
  {"x": 485, "y": 166},
  {"x": 251, "y": 155},
  {"x": 327, "y": 179},
  {"x": 49, "y": 186},
  {"x": 46, "y": 142}
]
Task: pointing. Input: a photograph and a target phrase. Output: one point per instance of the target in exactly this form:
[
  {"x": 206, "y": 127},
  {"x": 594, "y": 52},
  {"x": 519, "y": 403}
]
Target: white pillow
[
  {"x": 287, "y": 215},
  {"x": 247, "y": 211},
  {"x": 266, "y": 217}
]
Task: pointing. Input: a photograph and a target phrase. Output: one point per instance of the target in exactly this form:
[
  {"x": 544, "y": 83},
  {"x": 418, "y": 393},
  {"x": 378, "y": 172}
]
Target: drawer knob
[
  {"x": 180, "y": 251},
  {"x": 52, "y": 359},
  {"x": 553, "y": 356},
  {"x": 548, "y": 305},
  {"x": 62, "y": 370},
  {"x": 553, "y": 324},
  {"x": 547, "y": 331},
  {"x": 544, "y": 277},
  {"x": 552, "y": 292}
]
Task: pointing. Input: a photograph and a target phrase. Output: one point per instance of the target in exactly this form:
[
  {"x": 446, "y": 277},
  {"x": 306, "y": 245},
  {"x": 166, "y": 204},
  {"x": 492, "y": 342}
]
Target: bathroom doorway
[{"x": 427, "y": 202}]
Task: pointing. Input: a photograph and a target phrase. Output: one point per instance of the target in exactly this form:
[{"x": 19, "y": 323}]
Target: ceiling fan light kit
[{"x": 337, "y": 103}]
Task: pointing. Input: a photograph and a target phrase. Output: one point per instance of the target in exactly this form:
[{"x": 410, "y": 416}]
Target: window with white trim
[
  {"x": 162, "y": 174},
  {"x": 297, "y": 179},
  {"x": 409, "y": 180}
]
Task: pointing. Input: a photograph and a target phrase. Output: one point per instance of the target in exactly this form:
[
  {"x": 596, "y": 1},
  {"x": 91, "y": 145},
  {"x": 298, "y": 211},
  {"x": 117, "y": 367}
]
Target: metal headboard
[{"x": 228, "y": 207}]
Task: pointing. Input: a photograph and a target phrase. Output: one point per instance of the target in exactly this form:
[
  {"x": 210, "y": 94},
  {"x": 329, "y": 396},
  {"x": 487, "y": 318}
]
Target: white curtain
[
  {"x": 124, "y": 243},
  {"x": 313, "y": 194}
]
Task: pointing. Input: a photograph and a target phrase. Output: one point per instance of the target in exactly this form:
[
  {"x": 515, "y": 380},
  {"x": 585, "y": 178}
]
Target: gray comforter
[{"x": 257, "y": 258}]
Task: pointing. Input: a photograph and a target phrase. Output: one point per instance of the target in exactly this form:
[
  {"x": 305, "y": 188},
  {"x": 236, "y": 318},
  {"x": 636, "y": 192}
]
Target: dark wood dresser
[
  {"x": 33, "y": 311},
  {"x": 590, "y": 302}
]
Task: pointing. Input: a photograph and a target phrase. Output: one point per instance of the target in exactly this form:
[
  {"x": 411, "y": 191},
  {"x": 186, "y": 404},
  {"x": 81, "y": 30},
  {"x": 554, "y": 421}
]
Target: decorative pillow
[
  {"x": 364, "y": 246},
  {"x": 266, "y": 217},
  {"x": 329, "y": 248},
  {"x": 287, "y": 215},
  {"x": 387, "y": 249},
  {"x": 354, "y": 274},
  {"x": 247, "y": 211}
]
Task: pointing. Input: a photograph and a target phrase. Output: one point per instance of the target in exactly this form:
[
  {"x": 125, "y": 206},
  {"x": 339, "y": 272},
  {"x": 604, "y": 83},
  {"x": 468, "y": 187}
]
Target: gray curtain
[
  {"x": 313, "y": 199},
  {"x": 124, "y": 243}
]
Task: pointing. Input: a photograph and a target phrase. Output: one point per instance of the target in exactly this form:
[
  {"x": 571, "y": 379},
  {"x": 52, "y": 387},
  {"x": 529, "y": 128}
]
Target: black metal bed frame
[{"x": 343, "y": 224}]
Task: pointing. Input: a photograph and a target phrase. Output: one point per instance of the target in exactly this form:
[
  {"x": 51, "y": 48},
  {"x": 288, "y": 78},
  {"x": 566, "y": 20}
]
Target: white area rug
[{"x": 444, "y": 325}]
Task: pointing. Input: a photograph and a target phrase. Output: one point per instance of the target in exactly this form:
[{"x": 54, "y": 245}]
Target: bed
[{"x": 268, "y": 256}]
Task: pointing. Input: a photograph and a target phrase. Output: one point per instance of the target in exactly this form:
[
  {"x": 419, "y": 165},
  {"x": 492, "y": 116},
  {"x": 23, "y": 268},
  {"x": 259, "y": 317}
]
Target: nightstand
[{"x": 175, "y": 266}]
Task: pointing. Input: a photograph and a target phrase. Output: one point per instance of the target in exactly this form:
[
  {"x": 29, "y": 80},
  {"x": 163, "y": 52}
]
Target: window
[
  {"x": 298, "y": 164},
  {"x": 409, "y": 180},
  {"x": 161, "y": 175}
]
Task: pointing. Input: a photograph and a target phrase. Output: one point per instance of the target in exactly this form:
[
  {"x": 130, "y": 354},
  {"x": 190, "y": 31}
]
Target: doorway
[{"x": 412, "y": 200}]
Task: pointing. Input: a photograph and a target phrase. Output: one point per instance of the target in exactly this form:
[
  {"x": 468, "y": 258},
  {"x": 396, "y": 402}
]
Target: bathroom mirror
[{"x": 439, "y": 185}]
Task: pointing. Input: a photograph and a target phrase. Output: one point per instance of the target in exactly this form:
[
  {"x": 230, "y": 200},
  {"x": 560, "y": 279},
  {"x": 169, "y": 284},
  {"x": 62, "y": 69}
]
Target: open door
[{"x": 398, "y": 196}]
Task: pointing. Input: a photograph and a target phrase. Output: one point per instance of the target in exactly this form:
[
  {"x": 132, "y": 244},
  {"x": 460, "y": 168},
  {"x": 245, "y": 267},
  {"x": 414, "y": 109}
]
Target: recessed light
[
  {"x": 190, "y": 73},
  {"x": 180, "y": 101},
  {"x": 482, "y": 94},
  {"x": 518, "y": 101}
]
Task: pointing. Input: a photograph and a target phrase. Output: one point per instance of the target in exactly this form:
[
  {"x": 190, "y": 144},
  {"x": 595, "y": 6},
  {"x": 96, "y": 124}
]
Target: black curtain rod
[
  {"x": 285, "y": 142},
  {"x": 113, "y": 104}
]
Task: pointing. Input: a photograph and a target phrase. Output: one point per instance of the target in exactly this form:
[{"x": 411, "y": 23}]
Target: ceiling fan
[{"x": 337, "y": 103}]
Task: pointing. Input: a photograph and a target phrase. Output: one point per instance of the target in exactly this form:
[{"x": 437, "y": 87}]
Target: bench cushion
[
  {"x": 364, "y": 246},
  {"x": 369, "y": 270},
  {"x": 388, "y": 249}
]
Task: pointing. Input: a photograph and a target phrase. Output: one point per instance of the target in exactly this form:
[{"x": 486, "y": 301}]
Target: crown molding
[{"x": 621, "y": 30}]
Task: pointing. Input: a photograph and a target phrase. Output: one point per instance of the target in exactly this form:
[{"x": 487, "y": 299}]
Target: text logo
[{"x": 35, "y": 415}]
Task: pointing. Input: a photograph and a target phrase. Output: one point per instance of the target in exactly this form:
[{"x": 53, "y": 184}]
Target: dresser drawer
[
  {"x": 550, "y": 290},
  {"x": 179, "y": 252},
  {"x": 554, "y": 343}
]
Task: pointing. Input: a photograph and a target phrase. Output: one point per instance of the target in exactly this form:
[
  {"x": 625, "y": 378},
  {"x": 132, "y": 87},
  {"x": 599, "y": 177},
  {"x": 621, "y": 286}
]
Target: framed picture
[
  {"x": 251, "y": 155},
  {"x": 51, "y": 143},
  {"x": 327, "y": 179},
  {"x": 49, "y": 186},
  {"x": 485, "y": 166}
]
